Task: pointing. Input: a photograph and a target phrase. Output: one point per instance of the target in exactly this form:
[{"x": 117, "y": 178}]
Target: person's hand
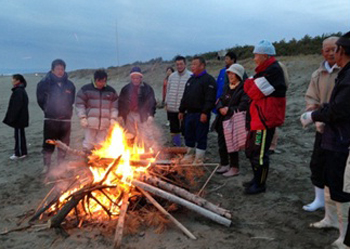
[
  {"x": 181, "y": 116},
  {"x": 112, "y": 122},
  {"x": 306, "y": 119},
  {"x": 83, "y": 122},
  {"x": 223, "y": 111},
  {"x": 320, "y": 126},
  {"x": 203, "y": 118},
  {"x": 120, "y": 121}
]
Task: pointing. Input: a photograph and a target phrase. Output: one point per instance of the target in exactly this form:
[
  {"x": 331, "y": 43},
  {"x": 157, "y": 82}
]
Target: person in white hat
[
  {"x": 233, "y": 99},
  {"x": 267, "y": 91}
]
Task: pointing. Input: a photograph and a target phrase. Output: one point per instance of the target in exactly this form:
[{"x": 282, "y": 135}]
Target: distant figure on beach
[
  {"x": 267, "y": 91},
  {"x": 319, "y": 92},
  {"x": 232, "y": 100},
  {"x": 96, "y": 107},
  {"x": 17, "y": 115},
  {"x": 175, "y": 90},
  {"x": 55, "y": 96},
  {"x": 197, "y": 102},
  {"x": 168, "y": 72},
  {"x": 137, "y": 107}
]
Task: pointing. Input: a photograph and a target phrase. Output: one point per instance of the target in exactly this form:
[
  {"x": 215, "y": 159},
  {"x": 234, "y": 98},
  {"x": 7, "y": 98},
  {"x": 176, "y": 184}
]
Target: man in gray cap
[
  {"x": 336, "y": 136},
  {"x": 55, "y": 96}
]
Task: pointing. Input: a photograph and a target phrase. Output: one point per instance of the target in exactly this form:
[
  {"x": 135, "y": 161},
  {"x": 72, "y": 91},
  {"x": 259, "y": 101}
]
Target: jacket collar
[{"x": 265, "y": 64}]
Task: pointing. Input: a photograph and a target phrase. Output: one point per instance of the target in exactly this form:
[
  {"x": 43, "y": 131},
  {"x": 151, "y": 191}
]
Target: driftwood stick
[
  {"x": 173, "y": 198},
  {"x": 66, "y": 148},
  {"x": 118, "y": 236},
  {"x": 99, "y": 203},
  {"x": 174, "y": 150},
  {"x": 115, "y": 163},
  {"x": 169, "y": 216},
  {"x": 185, "y": 194},
  {"x": 209, "y": 178}
]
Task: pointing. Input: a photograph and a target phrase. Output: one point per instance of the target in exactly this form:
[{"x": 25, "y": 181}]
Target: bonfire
[{"x": 121, "y": 173}]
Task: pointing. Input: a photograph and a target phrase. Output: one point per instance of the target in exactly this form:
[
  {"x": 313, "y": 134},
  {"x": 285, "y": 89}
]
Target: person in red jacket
[{"x": 267, "y": 91}]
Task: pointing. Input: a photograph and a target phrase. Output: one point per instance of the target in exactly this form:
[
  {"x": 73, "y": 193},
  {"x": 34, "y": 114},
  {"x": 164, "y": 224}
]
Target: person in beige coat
[{"x": 319, "y": 92}]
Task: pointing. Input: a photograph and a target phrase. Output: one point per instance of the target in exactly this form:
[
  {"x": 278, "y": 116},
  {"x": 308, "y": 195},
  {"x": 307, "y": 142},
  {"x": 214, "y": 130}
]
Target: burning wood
[{"x": 109, "y": 191}]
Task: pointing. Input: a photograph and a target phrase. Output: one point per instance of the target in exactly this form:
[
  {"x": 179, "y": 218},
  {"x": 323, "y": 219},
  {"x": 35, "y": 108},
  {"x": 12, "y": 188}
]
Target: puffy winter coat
[
  {"x": 99, "y": 106},
  {"x": 267, "y": 90},
  {"x": 17, "y": 115},
  {"x": 56, "y": 96}
]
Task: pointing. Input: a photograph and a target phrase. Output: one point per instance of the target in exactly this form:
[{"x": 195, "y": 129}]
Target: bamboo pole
[
  {"x": 173, "y": 198},
  {"x": 118, "y": 236},
  {"x": 185, "y": 194},
  {"x": 169, "y": 216}
]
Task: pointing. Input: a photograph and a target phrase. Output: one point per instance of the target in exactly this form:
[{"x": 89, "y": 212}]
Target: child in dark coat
[{"x": 17, "y": 115}]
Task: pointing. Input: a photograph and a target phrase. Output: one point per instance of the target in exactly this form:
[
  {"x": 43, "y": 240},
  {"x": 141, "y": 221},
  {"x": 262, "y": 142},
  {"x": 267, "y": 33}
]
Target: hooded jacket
[
  {"x": 56, "y": 96},
  {"x": 267, "y": 91},
  {"x": 99, "y": 106},
  {"x": 17, "y": 115}
]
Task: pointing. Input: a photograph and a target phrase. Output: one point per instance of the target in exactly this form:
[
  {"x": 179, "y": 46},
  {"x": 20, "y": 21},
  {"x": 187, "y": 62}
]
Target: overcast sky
[{"x": 103, "y": 33}]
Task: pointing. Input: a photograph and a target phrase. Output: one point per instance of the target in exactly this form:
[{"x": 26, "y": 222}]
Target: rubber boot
[
  {"x": 318, "y": 201},
  {"x": 176, "y": 138},
  {"x": 189, "y": 156},
  {"x": 47, "y": 163},
  {"x": 342, "y": 211},
  {"x": 330, "y": 219},
  {"x": 199, "y": 159}
]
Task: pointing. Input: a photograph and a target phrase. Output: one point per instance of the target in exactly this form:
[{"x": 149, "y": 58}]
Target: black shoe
[
  {"x": 247, "y": 184},
  {"x": 255, "y": 189},
  {"x": 271, "y": 152}
]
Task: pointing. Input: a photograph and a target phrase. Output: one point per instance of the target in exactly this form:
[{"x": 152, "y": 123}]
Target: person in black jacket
[
  {"x": 17, "y": 115},
  {"x": 197, "y": 102},
  {"x": 336, "y": 136},
  {"x": 137, "y": 106},
  {"x": 233, "y": 99},
  {"x": 55, "y": 96}
]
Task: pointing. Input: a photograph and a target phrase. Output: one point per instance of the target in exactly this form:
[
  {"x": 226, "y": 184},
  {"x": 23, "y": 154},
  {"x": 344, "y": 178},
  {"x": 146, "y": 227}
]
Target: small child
[{"x": 17, "y": 115}]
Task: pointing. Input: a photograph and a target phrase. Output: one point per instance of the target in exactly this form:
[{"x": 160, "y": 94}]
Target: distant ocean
[{"x": 6, "y": 71}]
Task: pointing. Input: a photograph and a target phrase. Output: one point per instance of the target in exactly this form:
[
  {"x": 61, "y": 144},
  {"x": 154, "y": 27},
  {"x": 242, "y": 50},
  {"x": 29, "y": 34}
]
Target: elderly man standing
[
  {"x": 55, "y": 96},
  {"x": 336, "y": 135},
  {"x": 175, "y": 90},
  {"x": 197, "y": 102},
  {"x": 318, "y": 93},
  {"x": 96, "y": 107},
  {"x": 267, "y": 91},
  {"x": 137, "y": 106}
]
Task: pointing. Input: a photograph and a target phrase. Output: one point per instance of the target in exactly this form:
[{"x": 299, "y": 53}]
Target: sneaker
[
  {"x": 14, "y": 157},
  {"x": 232, "y": 172},
  {"x": 255, "y": 189},
  {"x": 223, "y": 169}
]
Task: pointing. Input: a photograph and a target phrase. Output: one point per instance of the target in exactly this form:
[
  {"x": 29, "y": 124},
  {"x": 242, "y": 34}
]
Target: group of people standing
[{"x": 190, "y": 97}]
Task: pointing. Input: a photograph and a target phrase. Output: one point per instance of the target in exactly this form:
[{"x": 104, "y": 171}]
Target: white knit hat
[{"x": 264, "y": 47}]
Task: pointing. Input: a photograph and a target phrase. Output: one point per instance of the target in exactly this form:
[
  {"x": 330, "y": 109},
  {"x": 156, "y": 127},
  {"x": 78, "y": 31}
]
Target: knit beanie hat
[
  {"x": 344, "y": 40},
  {"x": 237, "y": 69},
  {"x": 58, "y": 62},
  {"x": 136, "y": 71},
  {"x": 264, "y": 47}
]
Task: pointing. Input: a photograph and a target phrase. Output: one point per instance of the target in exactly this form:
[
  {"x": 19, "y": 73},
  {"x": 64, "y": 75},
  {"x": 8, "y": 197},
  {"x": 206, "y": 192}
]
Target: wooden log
[
  {"x": 169, "y": 216},
  {"x": 173, "y": 198},
  {"x": 174, "y": 150},
  {"x": 66, "y": 148},
  {"x": 185, "y": 194},
  {"x": 118, "y": 236}
]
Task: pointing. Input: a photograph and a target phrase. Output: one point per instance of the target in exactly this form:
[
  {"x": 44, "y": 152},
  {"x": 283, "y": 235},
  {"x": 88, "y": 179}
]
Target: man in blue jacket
[{"x": 55, "y": 96}]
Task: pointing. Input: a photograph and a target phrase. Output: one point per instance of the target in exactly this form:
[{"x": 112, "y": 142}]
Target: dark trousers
[
  {"x": 257, "y": 146},
  {"x": 56, "y": 130},
  {"x": 20, "y": 142},
  {"x": 317, "y": 163},
  {"x": 175, "y": 124},
  {"x": 196, "y": 132},
  {"x": 226, "y": 158},
  {"x": 335, "y": 163}
]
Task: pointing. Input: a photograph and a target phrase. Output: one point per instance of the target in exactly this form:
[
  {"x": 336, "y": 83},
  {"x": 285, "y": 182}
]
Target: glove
[
  {"x": 120, "y": 120},
  {"x": 150, "y": 120},
  {"x": 320, "y": 126},
  {"x": 112, "y": 122},
  {"x": 83, "y": 122},
  {"x": 306, "y": 119}
]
